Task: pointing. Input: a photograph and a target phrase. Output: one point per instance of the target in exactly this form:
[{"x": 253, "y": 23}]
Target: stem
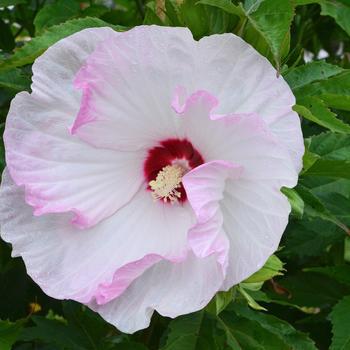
[{"x": 241, "y": 25}]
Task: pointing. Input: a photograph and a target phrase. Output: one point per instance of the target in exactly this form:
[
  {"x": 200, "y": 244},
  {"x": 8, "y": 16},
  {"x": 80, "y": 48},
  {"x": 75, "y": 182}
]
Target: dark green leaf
[
  {"x": 183, "y": 332},
  {"x": 334, "y": 91},
  {"x": 310, "y": 238},
  {"x": 330, "y": 168},
  {"x": 272, "y": 19},
  {"x": 53, "y": 332},
  {"x": 283, "y": 330},
  {"x": 314, "y": 109},
  {"x": 315, "y": 208},
  {"x": 311, "y": 72},
  {"x": 7, "y": 41},
  {"x": 225, "y": 5},
  {"x": 9, "y": 332},
  {"x": 14, "y": 79},
  {"x": 340, "y": 318},
  {"x": 341, "y": 272},
  {"x": 331, "y": 146},
  {"x": 308, "y": 289},
  {"x": 56, "y": 13},
  {"x": 347, "y": 249},
  {"x": 4, "y": 3},
  {"x": 339, "y": 10}
]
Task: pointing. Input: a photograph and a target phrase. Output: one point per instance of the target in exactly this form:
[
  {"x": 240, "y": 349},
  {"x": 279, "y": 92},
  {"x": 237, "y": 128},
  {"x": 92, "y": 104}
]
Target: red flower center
[{"x": 166, "y": 164}]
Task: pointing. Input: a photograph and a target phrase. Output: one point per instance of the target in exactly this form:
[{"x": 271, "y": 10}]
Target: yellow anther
[{"x": 167, "y": 183}]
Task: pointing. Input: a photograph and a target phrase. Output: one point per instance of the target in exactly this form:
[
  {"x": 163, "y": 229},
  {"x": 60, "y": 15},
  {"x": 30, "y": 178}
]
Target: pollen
[{"x": 167, "y": 183}]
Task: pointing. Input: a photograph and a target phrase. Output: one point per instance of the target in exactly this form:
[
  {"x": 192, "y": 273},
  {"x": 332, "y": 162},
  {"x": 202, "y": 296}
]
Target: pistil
[{"x": 167, "y": 183}]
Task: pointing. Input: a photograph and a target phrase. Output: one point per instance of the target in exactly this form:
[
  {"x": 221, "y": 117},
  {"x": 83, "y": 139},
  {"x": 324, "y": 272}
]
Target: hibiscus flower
[{"x": 144, "y": 169}]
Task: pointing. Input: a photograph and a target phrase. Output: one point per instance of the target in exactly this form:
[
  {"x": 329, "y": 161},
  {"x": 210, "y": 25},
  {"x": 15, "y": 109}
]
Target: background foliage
[{"x": 302, "y": 303}]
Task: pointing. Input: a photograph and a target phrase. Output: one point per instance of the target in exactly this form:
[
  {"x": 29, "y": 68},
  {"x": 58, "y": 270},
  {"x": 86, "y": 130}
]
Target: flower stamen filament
[{"x": 167, "y": 183}]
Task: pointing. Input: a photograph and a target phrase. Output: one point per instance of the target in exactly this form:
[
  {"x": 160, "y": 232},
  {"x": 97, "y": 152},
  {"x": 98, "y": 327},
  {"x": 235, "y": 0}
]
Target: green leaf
[
  {"x": 85, "y": 324},
  {"x": 231, "y": 339},
  {"x": 272, "y": 19},
  {"x": 269, "y": 22},
  {"x": 334, "y": 150},
  {"x": 94, "y": 11},
  {"x": 222, "y": 299},
  {"x": 52, "y": 332},
  {"x": 251, "y": 334},
  {"x": 5, "y": 3},
  {"x": 295, "y": 201},
  {"x": 347, "y": 249},
  {"x": 309, "y": 159},
  {"x": 315, "y": 208},
  {"x": 9, "y": 332},
  {"x": 305, "y": 2},
  {"x": 183, "y": 332},
  {"x": 294, "y": 339},
  {"x": 341, "y": 272},
  {"x": 314, "y": 109},
  {"x": 14, "y": 79},
  {"x": 339, "y": 10},
  {"x": 225, "y": 5},
  {"x": 251, "y": 302},
  {"x": 334, "y": 91},
  {"x": 7, "y": 42},
  {"x": 263, "y": 297},
  {"x": 308, "y": 289},
  {"x": 34, "y": 48},
  {"x": 273, "y": 267},
  {"x": 81, "y": 329},
  {"x": 172, "y": 12},
  {"x": 130, "y": 346},
  {"x": 309, "y": 73},
  {"x": 330, "y": 146},
  {"x": 310, "y": 238},
  {"x": 56, "y": 13},
  {"x": 340, "y": 318},
  {"x": 330, "y": 168}
]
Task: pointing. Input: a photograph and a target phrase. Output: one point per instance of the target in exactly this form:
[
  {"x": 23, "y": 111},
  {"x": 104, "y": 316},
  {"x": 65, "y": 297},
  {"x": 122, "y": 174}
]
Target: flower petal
[
  {"x": 255, "y": 216},
  {"x": 60, "y": 172},
  {"x": 247, "y": 208},
  {"x": 127, "y": 86},
  {"x": 245, "y": 82},
  {"x": 242, "y": 139},
  {"x": 99, "y": 262},
  {"x": 172, "y": 289},
  {"x": 204, "y": 186},
  {"x": 150, "y": 62}
]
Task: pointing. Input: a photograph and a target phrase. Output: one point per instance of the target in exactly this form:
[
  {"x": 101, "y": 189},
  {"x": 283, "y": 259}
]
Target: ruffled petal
[
  {"x": 151, "y": 61},
  {"x": 172, "y": 289},
  {"x": 204, "y": 186},
  {"x": 245, "y": 82},
  {"x": 100, "y": 262},
  {"x": 247, "y": 207},
  {"x": 60, "y": 172},
  {"x": 127, "y": 86},
  {"x": 255, "y": 215},
  {"x": 242, "y": 139}
]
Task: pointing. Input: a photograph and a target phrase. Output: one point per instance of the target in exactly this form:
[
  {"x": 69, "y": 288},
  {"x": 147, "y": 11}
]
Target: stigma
[{"x": 167, "y": 183}]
